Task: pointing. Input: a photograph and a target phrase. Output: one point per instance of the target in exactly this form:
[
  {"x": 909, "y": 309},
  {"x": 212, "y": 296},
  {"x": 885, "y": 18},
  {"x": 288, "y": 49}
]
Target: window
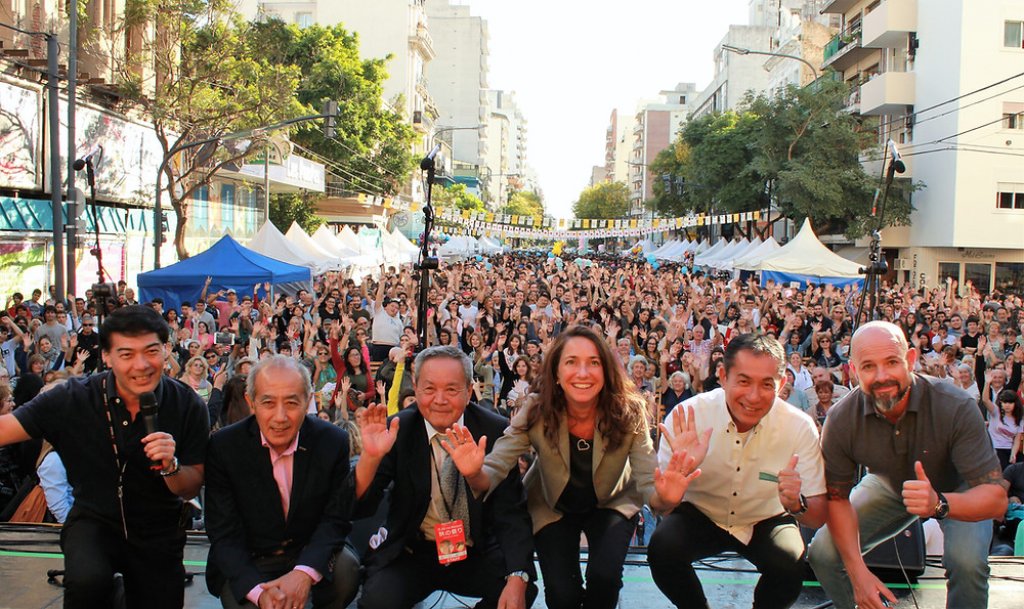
[
  {"x": 227, "y": 207},
  {"x": 980, "y": 274},
  {"x": 1009, "y": 276},
  {"x": 949, "y": 269},
  {"x": 1013, "y": 115},
  {"x": 304, "y": 20},
  {"x": 1010, "y": 200},
  {"x": 1012, "y": 34},
  {"x": 200, "y": 207}
]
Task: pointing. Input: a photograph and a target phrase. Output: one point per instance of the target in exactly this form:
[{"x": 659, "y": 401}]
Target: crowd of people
[{"x": 648, "y": 405}]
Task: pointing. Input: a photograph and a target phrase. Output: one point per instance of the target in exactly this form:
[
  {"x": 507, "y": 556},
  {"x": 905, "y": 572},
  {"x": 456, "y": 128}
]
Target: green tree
[
  {"x": 457, "y": 196},
  {"x": 524, "y": 203},
  {"x": 604, "y": 200},
  {"x": 208, "y": 82},
  {"x": 797, "y": 148},
  {"x": 295, "y": 207},
  {"x": 372, "y": 150}
]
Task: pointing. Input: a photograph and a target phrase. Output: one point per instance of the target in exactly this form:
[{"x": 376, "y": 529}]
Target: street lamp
[{"x": 742, "y": 51}]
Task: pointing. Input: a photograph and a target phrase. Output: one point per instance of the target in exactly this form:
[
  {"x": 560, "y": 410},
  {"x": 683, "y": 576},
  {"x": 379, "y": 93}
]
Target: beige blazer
[{"x": 623, "y": 478}]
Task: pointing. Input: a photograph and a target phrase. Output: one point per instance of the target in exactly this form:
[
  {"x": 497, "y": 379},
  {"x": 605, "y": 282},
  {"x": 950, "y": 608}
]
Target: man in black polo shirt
[
  {"x": 127, "y": 516},
  {"x": 928, "y": 455}
]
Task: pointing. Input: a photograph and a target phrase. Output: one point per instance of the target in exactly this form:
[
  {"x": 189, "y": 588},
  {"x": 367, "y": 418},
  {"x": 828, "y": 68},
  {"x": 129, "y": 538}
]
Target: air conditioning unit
[{"x": 901, "y": 264}]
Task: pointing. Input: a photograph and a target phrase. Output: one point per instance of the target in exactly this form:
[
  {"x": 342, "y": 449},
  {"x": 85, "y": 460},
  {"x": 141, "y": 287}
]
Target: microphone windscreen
[
  {"x": 147, "y": 403},
  {"x": 79, "y": 165}
]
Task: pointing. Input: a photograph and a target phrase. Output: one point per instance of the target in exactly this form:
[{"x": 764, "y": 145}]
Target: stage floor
[{"x": 27, "y": 552}]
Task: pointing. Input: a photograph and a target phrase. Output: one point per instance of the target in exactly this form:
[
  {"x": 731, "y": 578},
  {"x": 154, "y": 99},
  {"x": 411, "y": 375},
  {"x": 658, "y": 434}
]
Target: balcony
[
  {"x": 888, "y": 93},
  {"x": 888, "y": 25},
  {"x": 422, "y": 42},
  {"x": 845, "y": 50},
  {"x": 838, "y": 6}
]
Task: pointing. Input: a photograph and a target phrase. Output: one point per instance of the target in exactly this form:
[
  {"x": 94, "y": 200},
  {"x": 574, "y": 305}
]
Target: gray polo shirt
[{"x": 942, "y": 428}]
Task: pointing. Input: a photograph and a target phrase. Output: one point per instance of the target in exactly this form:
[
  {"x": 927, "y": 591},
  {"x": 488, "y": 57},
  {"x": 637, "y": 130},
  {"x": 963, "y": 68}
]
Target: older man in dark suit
[
  {"x": 277, "y": 500},
  {"x": 423, "y": 549}
]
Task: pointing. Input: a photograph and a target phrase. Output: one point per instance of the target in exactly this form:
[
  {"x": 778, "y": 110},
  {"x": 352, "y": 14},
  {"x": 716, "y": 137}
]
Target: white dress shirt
[{"x": 729, "y": 490}]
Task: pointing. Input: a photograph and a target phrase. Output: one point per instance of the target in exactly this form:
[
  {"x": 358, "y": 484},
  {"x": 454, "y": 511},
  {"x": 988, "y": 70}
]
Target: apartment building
[
  {"x": 655, "y": 126},
  {"x": 938, "y": 78},
  {"x": 506, "y": 160},
  {"x": 458, "y": 81},
  {"x": 735, "y": 73}
]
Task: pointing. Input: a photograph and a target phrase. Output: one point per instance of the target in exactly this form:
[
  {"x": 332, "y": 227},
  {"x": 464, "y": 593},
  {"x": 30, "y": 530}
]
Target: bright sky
[{"x": 571, "y": 62}]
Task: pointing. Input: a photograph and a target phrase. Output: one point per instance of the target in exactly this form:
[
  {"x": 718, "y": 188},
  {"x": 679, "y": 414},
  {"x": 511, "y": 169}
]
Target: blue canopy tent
[{"x": 231, "y": 266}]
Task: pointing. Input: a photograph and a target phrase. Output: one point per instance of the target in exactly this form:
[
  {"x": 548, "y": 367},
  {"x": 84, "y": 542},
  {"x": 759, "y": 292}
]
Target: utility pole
[
  {"x": 74, "y": 206},
  {"x": 52, "y": 49},
  {"x": 52, "y": 76}
]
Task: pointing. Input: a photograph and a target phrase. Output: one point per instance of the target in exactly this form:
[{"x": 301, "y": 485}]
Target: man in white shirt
[{"x": 761, "y": 474}]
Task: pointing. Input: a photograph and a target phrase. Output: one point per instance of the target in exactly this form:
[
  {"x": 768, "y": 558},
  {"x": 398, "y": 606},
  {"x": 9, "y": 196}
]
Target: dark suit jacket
[
  {"x": 501, "y": 521},
  {"x": 244, "y": 517}
]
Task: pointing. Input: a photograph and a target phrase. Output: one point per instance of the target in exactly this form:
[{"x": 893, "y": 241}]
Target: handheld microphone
[
  {"x": 428, "y": 161},
  {"x": 80, "y": 164},
  {"x": 148, "y": 410},
  {"x": 897, "y": 161}
]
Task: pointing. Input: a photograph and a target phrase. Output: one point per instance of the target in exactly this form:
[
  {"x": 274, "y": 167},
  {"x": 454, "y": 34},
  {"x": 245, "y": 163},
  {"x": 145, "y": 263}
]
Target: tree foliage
[
  {"x": 206, "y": 81},
  {"x": 458, "y": 197},
  {"x": 372, "y": 149},
  {"x": 604, "y": 200},
  {"x": 214, "y": 74},
  {"x": 294, "y": 207},
  {"x": 524, "y": 203},
  {"x": 798, "y": 149}
]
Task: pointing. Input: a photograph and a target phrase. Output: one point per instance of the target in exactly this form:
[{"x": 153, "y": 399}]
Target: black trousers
[
  {"x": 94, "y": 550},
  {"x": 558, "y": 549},
  {"x": 687, "y": 535},
  {"x": 415, "y": 574},
  {"x": 335, "y": 592}
]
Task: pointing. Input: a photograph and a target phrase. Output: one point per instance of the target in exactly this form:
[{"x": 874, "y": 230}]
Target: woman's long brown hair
[{"x": 620, "y": 406}]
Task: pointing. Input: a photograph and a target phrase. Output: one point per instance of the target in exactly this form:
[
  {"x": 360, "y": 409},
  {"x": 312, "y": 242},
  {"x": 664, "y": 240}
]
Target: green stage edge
[{"x": 719, "y": 581}]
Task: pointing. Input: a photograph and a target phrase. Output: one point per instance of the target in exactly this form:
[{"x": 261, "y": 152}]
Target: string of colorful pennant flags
[{"x": 492, "y": 224}]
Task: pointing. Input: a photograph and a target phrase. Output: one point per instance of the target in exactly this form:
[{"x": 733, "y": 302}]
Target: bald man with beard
[{"x": 928, "y": 456}]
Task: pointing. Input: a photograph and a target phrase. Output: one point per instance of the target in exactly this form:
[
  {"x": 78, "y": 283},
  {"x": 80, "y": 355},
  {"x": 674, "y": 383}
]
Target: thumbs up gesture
[
  {"x": 919, "y": 497},
  {"x": 789, "y": 485}
]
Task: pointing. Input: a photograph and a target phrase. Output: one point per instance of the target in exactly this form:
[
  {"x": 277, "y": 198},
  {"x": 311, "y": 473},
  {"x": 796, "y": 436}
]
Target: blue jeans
[{"x": 880, "y": 516}]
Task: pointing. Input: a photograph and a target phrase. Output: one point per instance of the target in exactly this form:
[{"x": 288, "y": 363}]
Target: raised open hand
[
  {"x": 672, "y": 483},
  {"x": 378, "y": 436},
  {"x": 467, "y": 454},
  {"x": 684, "y": 437}
]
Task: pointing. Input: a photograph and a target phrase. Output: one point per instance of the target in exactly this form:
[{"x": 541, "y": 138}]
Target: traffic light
[{"x": 330, "y": 118}]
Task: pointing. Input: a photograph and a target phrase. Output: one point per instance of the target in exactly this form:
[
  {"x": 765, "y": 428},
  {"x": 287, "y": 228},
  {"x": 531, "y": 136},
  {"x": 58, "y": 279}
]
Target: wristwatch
[
  {"x": 523, "y": 575},
  {"x": 175, "y": 468},
  {"x": 941, "y": 508},
  {"x": 803, "y": 507}
]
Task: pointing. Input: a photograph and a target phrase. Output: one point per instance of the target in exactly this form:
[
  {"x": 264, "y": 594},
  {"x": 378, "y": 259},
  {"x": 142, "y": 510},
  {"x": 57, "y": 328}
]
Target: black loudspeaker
[{"x": 906, "y": 548}]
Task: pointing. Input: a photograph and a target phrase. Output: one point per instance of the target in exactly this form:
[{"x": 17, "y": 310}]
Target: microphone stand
[
  {"x": 876, "y": 262},
  {"x": 99, "y": 289},
  {"x": 426, "y": 263}
]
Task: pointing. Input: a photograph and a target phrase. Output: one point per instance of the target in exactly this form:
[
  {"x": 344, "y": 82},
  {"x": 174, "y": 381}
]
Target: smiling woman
[{"x": 583, "y": 413}]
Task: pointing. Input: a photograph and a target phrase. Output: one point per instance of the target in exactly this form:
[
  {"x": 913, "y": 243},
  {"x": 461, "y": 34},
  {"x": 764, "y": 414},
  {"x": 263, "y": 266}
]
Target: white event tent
[
  {"x": 727, "y": 262},
  {"x": 754, "y": 255},
  {"x": 804, "y": 259},
  {"x": 304, "y": 243},
  {"x": 272, "y": 243}
]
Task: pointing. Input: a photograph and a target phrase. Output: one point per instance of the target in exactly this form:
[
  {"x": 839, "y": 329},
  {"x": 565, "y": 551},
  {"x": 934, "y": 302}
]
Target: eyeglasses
[{"x": 87, "y": 325}]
